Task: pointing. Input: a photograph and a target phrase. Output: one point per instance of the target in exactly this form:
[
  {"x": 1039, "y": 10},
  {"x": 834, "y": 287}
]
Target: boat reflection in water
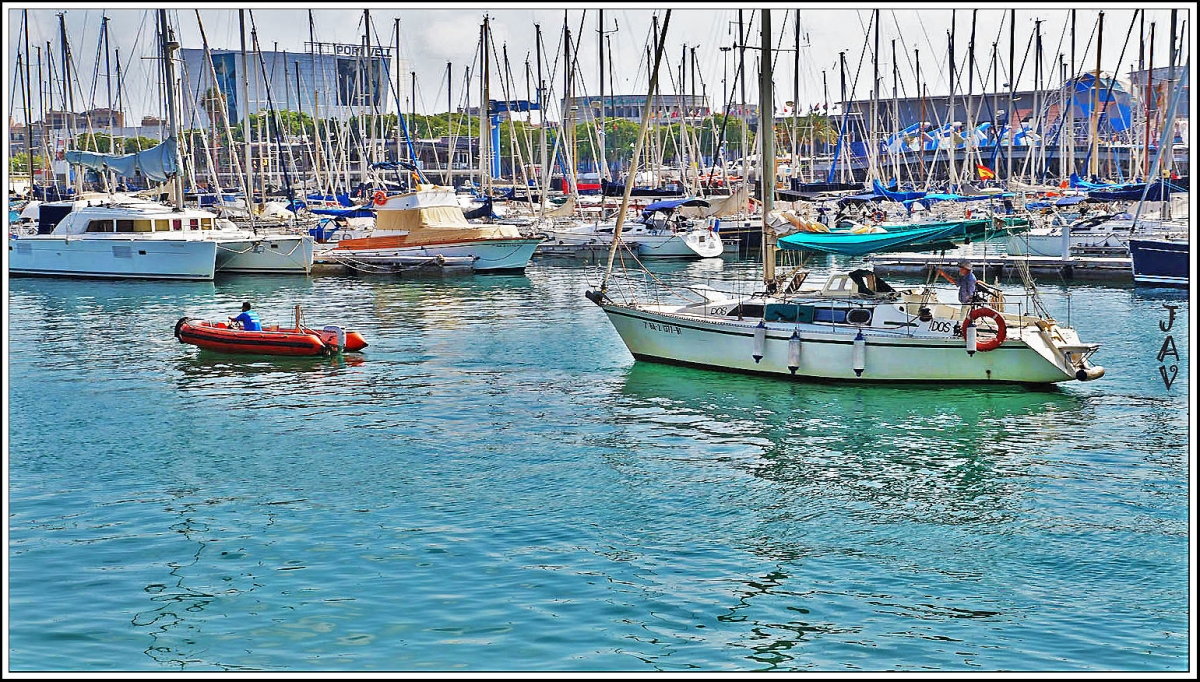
[{"x": 946, "y": 454}]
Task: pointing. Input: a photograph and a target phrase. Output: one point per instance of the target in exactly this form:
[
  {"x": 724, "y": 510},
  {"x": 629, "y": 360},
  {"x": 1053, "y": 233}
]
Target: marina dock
[{"x": 1088, "y": 268}]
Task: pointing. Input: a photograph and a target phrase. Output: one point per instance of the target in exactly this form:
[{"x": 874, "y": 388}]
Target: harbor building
[
  {"x": 1050, "y": 126},
  {"x": 691, "y": 108},
  {"x": 335, "y": 80}
]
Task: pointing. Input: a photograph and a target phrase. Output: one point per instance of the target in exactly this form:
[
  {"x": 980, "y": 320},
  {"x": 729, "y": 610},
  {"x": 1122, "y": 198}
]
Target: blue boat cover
[
  {"x": 1069, "y": 201},
  {"x": 1159, "y": 190},
  {"x": 859, "y": 199},
  {"x": 929, "y": 199},
  {"x": 896, "y": 196},
  {"x": 672, "y": 204},
  {"x": 156, "y": 163}
]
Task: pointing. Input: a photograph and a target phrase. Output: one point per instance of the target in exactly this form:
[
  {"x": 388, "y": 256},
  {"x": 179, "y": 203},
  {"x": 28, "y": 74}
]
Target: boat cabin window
[
  {"x": 869, "y": 284},
  {"x": 747, "y": 310},
  {"x": 124, "y": 226},
  {"x": 194, "y": 224},
  {"x": 177, "y": 224},
  {"x": 100, "y": 226},
  {"x": 206, "y": 224},
  {"x": 840, "y": 284},
  {"x": 162, "y": 225},
  {"x": 143, "y": 226},
  {"x": 49, "y": 216},
  {"x": 834, "y": 315},
  {"x": 788, "y": 312}
]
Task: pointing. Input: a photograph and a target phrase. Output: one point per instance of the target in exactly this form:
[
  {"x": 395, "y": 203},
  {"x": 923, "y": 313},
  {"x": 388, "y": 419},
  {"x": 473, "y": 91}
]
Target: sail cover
[
  {"x": 847, "y": 244},
  {"x": 156, "y": 163}
]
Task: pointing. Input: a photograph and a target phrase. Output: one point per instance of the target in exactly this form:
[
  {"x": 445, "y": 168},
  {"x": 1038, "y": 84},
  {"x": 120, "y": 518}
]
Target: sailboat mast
[
  {"x": 245, "y": 106},
  {"x": 107, "y": 83},
  {"x": 603, "y": 170},
  {"x": 921, "y": 118},
  {"x": 970, "y": 130},
  {"x": 485, "y": 124},
  {"x": 742, "y": 107},
  {"x": 169, "y": 45},
  {"x": 1094, "y": 156},
  {"x": 396, "y": 60},
  {"x": 1172, "y": 56},
  {"x": 842, "y": 128},
  {"x": 1149, "y": 94},
  {"x": 952, "y": 148},
  {"x": 568, "y": 132},
  {"x": 873, "y": 126},
  {"x": 28, "y": 104},
  {"x": 1071, "y": 107},
  {"x": 766, "y": 133},
  {"x": 795, "y": 164},
  {"x": 1012, "y": 85},
  {"x": 896, "y": 115},
  {"x": 544, "y": 184},
  {"x": 661, "y": 39}
]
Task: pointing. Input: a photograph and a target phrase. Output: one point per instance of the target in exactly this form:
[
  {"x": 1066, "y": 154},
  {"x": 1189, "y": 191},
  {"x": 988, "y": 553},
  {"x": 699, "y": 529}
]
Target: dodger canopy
[{"x": 672, "y": 204}]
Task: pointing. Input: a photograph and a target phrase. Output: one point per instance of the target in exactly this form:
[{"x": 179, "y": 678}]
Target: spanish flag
[{"x": 985, "y": 173}]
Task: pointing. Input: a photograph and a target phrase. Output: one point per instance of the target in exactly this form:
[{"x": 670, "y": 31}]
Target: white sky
[{"x": 433, "y": 34}]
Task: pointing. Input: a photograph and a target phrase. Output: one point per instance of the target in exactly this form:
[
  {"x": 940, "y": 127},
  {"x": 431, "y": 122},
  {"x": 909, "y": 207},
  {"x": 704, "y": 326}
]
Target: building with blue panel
[{"x": 332, "y": 80}]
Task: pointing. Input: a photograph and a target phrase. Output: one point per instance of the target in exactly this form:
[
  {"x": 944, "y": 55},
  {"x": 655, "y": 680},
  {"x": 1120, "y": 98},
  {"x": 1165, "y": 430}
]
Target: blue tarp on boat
[
  {"x": 859, "y": 199},
  {"x": 896, "y": 196},
  {"x": 848, "y": 244},
  {"x": 1079, "y": 183},
  {"x": 671, "y": 205},
  {"x": 1159, "y": 191},
  {"x": 156, "y": 163},
  {"x": 929, "y": 199},
  {"x": 353, "y": 212}
]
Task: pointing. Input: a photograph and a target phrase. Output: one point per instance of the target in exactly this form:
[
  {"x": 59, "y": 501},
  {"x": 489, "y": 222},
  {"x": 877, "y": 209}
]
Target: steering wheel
[{"x": 234, "y": 324}]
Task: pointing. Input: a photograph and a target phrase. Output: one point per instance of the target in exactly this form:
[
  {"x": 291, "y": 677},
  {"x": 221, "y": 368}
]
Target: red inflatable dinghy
[{"x": 272, "y": 340}]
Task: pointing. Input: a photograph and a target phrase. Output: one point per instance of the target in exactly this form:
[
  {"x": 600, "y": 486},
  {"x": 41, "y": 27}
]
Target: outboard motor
[{"x": 341, "y": 336}]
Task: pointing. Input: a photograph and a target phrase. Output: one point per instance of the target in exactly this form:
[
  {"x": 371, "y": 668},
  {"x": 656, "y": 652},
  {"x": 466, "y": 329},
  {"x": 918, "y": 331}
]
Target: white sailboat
[
  {"x": 661, "y": 231},
  {"x": 854, "y": 327}
]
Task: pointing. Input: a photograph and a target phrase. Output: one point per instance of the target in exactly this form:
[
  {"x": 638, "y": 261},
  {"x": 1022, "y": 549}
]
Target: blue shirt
[
  {"x": 966, "y": 288},
  {"x": 249, "y": 320}
]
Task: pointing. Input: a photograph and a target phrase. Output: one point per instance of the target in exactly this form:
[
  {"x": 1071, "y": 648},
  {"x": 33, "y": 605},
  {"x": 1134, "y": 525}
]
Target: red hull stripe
[{"x": 253, "y": 342}]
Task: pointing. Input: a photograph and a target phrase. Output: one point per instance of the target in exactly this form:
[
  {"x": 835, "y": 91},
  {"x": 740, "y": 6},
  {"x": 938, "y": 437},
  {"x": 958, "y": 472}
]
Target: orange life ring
[
  {"x": 380, "y": 198},
  {"x": 877, "y": 216},
  {"x": 1001, "y": 328}
]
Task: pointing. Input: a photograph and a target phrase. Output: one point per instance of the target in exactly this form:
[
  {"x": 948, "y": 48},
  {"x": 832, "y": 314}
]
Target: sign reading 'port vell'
[{"x": 344, "y": 50}]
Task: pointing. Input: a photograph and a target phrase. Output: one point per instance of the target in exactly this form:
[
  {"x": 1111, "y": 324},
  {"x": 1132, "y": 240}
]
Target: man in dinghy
[{"x": 248, "y": 320}]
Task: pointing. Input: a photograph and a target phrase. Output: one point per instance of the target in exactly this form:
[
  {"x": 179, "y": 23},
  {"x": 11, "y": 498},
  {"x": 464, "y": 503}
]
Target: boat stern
[{"x": 1062, "y": 347}]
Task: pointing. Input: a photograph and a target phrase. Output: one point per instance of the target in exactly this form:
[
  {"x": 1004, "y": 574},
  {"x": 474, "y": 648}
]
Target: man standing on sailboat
[{"x": 966, "y": 282}]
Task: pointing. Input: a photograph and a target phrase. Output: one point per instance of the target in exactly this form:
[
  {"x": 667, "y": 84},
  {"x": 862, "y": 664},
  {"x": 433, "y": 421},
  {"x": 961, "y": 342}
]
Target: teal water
[{"x": 495, "y": 485}]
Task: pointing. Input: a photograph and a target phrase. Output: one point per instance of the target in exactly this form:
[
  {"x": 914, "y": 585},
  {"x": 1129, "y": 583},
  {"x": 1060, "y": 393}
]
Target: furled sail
[
  {"x": 156, "y": 163},
  {"x": 567, "y": 208}
]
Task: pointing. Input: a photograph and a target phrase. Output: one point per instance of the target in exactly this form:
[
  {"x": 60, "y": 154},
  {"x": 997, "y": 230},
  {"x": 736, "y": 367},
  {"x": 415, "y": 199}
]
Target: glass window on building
[{"x": 359, "y": 80}]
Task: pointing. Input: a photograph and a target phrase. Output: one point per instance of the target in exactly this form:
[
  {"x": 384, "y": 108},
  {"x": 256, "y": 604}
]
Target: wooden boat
[{"x": 271, "y": 340}]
